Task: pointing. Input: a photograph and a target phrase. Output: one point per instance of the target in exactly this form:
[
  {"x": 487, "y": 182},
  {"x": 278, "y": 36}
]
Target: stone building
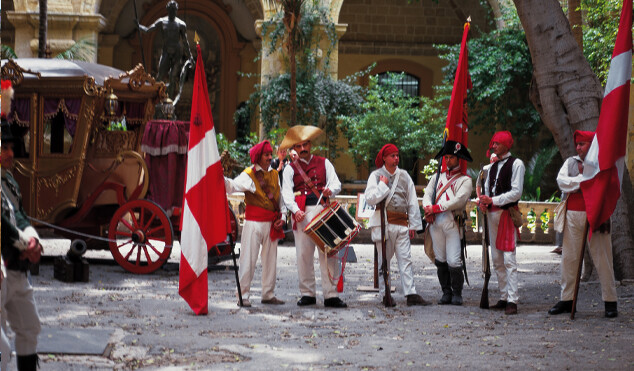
[{"x": 395, "y": 34}]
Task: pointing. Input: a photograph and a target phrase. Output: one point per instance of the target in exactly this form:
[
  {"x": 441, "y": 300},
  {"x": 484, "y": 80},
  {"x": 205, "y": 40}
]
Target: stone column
[
  {"x": 273, "y": 64},
  {"x": 68, "y": 22}
]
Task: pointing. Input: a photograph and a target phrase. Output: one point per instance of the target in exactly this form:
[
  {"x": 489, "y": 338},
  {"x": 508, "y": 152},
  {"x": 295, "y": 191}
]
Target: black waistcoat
[{"x": 503, "y": 182}]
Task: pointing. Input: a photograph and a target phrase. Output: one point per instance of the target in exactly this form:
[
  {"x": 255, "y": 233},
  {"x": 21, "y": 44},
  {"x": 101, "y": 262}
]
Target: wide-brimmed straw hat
[{"x": 300, "y": 133}]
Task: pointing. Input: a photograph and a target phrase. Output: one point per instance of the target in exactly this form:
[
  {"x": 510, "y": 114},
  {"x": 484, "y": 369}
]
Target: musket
[
  {"x": 136, "y": 17},
  {"x": 463, "y": 245},
  {"x": 486, "y": 262},
  {"x": 389, "y": 302}
]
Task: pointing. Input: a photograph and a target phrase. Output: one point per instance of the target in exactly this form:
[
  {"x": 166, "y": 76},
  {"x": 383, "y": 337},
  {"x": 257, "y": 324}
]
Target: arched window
[{"x": 410, "y": 84}]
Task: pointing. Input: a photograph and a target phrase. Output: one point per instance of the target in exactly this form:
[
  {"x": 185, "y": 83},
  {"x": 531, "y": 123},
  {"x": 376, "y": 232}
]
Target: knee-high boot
[
  {"x": 445, "y": 282},
  {"x": 457, "y": 281}
]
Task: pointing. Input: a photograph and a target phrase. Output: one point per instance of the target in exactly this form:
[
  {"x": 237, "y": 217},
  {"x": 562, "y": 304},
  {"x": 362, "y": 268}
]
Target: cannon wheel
[{"x": 141, "y": 236}]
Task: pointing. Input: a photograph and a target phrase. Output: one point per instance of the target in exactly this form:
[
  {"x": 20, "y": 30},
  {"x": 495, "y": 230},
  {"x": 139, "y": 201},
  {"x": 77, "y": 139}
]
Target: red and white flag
[
  {"x": 456, "y": 128},
  {"x": 605, "y": 161},
  {"x": 205, "y": 213}
]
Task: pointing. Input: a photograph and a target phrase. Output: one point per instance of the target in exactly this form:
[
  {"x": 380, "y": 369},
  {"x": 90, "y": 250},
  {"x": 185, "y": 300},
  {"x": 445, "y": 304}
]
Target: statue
[{"x": 174, "y": 32}]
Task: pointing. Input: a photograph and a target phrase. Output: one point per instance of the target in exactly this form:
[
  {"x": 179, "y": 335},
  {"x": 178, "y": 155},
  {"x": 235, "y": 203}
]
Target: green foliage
[
  {"x": 388, "y": 115},
  {"x": 8, "y": 52},
  {"x": 534, "y": 174},
  {"x": 238, "y": 151},
  {"x": 601, "y": 23},
  {"x": 82, "y": 50},
  {"x": 430, "y": 169},
  {"x": 320, "y": 99},
  {"x": 501, "y": 71}
]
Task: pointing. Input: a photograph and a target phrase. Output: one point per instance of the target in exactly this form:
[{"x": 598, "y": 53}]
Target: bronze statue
[{"x": 174, "y": 32}]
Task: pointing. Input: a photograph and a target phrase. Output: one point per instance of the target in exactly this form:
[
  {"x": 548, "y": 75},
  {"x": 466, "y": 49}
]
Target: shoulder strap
[
  {"x": 451, "y": 181},
  {"x": 393, "y": 189},
  {"x": 307, "y": 179}
]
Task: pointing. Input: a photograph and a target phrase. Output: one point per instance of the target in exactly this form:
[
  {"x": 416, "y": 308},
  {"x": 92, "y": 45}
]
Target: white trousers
[
  {"x": 19, "y": 310},
  {"x": 256, "y": 235},
  {"x": 446, "y": 237},
  {"x": 504, "y": 262},
  {"x": 397, "y": 242},
  {"x": 5, "y": 348},
  {"x": 305, "y": 248},
  {"x": 600, "y": 247}
]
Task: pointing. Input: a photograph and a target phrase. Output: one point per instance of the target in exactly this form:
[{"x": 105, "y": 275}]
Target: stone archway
[{"x": 223, "y": 70}]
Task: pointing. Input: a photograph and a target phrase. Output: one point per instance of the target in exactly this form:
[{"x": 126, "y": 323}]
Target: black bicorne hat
[{"x": 454, "y": 148}]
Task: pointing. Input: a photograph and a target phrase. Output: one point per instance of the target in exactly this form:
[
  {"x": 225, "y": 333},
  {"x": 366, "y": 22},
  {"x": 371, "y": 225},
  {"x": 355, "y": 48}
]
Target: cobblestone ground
[{"x": 155, "y": 329}]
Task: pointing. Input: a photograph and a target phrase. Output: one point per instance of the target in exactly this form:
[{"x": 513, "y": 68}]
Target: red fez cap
[
  {"x": 387, "y": 149},
  {"x": 502, "y": 137},
  {"x": 583, "y": 136},
  {"x": 257, "y": 150}
]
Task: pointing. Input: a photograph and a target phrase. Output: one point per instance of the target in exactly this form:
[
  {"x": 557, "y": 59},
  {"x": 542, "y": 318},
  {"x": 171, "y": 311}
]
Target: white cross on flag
[
  {"x": 604, "y": 164},
  {"x": 205, "y": 212}
]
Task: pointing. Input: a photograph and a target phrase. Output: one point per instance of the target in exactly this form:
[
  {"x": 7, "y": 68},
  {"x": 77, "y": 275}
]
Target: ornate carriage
[{"x": 78, "y": 166}]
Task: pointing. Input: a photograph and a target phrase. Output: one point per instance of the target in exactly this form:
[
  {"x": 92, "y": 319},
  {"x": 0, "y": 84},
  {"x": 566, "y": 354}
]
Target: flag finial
[
  {"x": 469, "y": 19},
  {"x": 196, "y": 38}
]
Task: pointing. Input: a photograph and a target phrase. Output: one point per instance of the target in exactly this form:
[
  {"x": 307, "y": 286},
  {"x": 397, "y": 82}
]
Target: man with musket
[
  {"x": 263, "y": 225},
  {"x": 600, "y": 245},
  {"x": 306, "y": 181},
  {"x": 453, "y": 189},
  {"x": 395, "y": 188},
  {"x": 20, "y": 248},
  {"x": 502, "y": 192}
]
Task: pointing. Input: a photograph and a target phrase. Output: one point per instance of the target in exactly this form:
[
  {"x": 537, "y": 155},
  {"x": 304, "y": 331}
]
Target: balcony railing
[{"x": 537, "y": 228}]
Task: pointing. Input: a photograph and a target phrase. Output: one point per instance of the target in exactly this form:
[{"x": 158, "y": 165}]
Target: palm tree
[{"x": 292, "y": 13}]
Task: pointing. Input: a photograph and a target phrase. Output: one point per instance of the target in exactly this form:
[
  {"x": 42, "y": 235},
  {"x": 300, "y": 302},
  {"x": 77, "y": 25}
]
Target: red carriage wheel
[{"x": 141, "y": 236}]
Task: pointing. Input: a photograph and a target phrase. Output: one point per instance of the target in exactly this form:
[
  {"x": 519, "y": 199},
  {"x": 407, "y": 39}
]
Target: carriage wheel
[{"x": 143, "y": 235}]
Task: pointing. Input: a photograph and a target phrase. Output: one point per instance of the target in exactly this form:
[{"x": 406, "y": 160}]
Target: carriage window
[{"x": 56, "y": 138}]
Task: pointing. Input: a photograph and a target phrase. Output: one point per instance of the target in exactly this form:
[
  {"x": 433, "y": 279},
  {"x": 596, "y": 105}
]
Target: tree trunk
[
  {"x": 293, "y": 88},
  {"x": 576, "y": 22},
  {"x": 568, "y": 95},
  {"x": 41, "y": 50}
]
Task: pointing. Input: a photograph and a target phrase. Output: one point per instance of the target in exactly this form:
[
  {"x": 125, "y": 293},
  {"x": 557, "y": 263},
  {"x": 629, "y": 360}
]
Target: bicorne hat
[{"x": 454, "y": 148}]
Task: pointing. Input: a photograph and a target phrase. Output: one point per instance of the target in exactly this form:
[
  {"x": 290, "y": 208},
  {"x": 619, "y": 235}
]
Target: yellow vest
[{"x": 259, "y": 198}]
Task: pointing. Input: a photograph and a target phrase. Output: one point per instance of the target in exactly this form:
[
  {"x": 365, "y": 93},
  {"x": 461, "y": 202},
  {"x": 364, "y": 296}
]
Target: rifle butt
[{"x": 484, "y": 299}]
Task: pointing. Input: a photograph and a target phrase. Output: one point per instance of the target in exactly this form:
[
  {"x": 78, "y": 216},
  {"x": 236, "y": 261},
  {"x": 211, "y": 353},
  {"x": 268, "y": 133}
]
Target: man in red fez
[
  {"x": 306, "y": 179},
  {"x": 264, "y": 222},
  {"x": 502, "y": 191},
  {"x": 453, "y": 190},
  {"x": 396, "y": 187},
  {"x": 600, "y": 246}
]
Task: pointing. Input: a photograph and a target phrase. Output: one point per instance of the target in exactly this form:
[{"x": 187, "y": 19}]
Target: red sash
[
  {"x": 505, "y": 240},
  {"x": 258, "y": 214}
]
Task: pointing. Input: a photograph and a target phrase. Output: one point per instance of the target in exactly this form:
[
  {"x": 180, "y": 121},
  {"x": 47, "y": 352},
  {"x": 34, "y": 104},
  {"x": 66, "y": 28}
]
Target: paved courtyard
[{"x": 151, "y": 327}]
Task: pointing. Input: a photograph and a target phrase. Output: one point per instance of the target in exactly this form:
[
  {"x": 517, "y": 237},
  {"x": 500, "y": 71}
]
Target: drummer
[
  {"x": 305, "y": 181},
  {"x": 396, "y": 187}
]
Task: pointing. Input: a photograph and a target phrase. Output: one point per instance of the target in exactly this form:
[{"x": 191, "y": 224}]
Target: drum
[{"x": 332, "y": 229}]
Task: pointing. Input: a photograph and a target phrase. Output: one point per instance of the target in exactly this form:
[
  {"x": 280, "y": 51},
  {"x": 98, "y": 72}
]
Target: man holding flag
[
  {"x": 205, "y": 212},
  {"x": 602, "y": 169},
  {"x": 447, "y": 193}
]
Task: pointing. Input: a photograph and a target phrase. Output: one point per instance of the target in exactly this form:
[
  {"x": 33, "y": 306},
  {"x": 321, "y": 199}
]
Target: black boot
[
  {"x": 28, "y": 363},
  {"x": 610, "y": 309},
  {"x": 457, "y": 281},
  {"x": 561, "y": 307},
  {"x": 445, "y": 282}
]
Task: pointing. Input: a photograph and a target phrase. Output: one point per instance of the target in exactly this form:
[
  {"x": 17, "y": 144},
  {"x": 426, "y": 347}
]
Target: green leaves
[{"x": 388, "y": 115}]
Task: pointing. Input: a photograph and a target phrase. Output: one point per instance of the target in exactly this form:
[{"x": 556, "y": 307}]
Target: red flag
[
  {"x": 604, "y": 163},
  {"x": 205, "y": 213},
  {"x": 456, "y": 128}
]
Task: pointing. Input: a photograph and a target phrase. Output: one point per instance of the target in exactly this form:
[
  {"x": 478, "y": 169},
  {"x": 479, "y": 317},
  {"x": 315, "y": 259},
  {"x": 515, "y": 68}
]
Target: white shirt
[
  {"x": 517, "y": 183},
  {"x": 332, "y": 183},
  {"x": 566, "y": 182},
  {"x": 244, "y": 183}
]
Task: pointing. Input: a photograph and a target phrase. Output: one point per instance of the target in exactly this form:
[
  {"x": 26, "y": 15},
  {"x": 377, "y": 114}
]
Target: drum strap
[{"x": 309, "y": 182}]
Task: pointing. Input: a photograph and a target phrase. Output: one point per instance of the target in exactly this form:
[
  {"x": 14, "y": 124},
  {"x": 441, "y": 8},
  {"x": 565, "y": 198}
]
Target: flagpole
[{"x": 235, "y": 266}]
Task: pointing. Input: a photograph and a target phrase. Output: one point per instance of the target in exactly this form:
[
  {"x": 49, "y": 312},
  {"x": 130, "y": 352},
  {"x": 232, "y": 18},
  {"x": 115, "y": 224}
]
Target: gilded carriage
[{"x": 77, "y": 159}]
